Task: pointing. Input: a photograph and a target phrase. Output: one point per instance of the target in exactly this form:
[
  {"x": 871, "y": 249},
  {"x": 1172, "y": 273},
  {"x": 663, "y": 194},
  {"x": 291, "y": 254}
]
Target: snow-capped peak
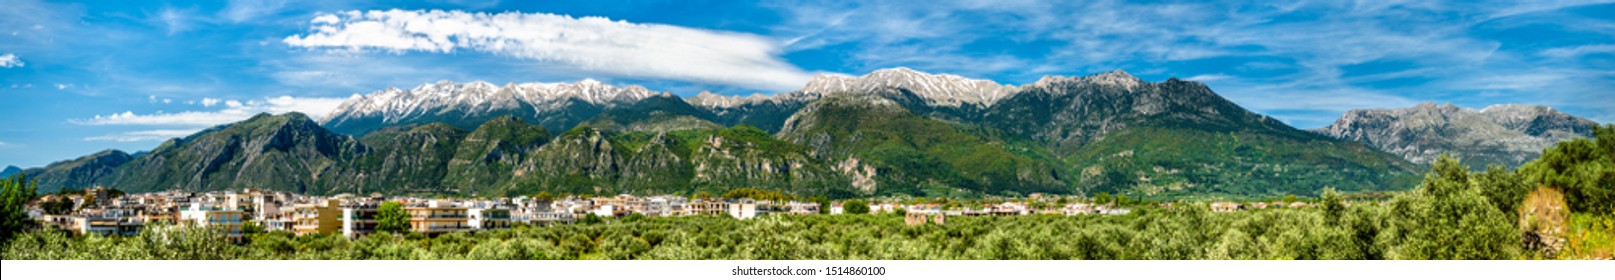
[
  {"x": 938, "y": 89},
  {"x": 479, "y": 96}
]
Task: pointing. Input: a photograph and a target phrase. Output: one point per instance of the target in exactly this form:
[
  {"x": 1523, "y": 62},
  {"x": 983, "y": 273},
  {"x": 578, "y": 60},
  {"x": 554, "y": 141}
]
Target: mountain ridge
[
  {"x": 1506, "y": 134},
  {"x": 889, "y": 132}
]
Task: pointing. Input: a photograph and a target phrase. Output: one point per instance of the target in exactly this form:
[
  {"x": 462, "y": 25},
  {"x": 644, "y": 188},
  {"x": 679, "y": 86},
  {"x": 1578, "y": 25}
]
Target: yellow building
[
  {"x": 318, "y": 218},
  {"x": 438, "y": 218}
]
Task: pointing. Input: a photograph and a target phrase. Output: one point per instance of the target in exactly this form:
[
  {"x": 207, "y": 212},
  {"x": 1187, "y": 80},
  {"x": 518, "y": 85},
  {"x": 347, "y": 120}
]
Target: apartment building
[
  {"x": 359, "y": 219},
  {"x": 215, "y": 216},
  {"x": 488, "y": 218},
  {"x": 104, "y": 225},
  {"x": 438, "y": 217},
  {"x": 323, "y": 217},
  {"x": 710, "y": 207}
]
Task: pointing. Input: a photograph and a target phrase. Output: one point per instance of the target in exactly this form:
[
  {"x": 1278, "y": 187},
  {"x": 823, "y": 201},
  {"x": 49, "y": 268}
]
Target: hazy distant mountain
[
  {"x": 1509, "y": 135},
  {"x": 10, "y": 170}
]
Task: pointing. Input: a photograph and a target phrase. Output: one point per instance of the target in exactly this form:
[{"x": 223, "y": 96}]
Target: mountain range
[
  {"x": 1507, "y": 135},
  {"x": 890, "y": 132}
]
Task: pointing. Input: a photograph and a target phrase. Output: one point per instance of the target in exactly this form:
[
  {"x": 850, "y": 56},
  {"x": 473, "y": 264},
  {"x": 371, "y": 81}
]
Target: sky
[{"x": 80, "y": 77}]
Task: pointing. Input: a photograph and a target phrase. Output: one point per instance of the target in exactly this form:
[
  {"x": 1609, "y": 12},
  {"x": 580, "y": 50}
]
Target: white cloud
[
  {"x": 144, "y": 135},
  {"x": 209, "y": 102},
  {"x": 63, "y": 86},
  {"x": 10, "y": 60},
  {"x": 233, "y": 111},
  {"x": 244, "y": 10},
  {"x": 1578, "y": 51},
  {"x": 593, "y": 44},
  {"x": 174, "y": 20},
  {"x": 1208, "y": 77},
  {"x": 1307, "y": 60}
]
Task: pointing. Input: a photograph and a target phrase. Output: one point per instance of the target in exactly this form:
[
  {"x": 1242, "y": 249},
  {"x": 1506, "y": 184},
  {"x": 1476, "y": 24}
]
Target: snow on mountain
[
  {"x": 479, "y": 99},
  {"x": 937, "y": 89},
  {"x": 393, "y": 104}
]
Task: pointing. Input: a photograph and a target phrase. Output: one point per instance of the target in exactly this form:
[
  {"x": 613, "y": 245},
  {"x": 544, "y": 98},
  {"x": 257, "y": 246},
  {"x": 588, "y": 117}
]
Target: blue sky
[{"x": 78, "y": 77}]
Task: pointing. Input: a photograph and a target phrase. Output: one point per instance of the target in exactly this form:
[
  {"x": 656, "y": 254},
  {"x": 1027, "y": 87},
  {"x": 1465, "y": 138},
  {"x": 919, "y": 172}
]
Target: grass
[{"x": 1590, "y": 236}]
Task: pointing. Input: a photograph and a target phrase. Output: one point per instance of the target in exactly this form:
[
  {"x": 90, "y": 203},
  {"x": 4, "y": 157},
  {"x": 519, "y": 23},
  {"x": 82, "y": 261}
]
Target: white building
[
  {"x": 743, "y": 210},
  {"x": 489, "y": 218},
  {"x": 358, "y": 220},
  {"x": 214, "y": 216}
]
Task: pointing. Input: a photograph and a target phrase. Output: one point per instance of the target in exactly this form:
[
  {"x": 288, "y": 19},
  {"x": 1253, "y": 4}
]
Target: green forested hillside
[
  {"x": 283, "y": 152},
  {"x": 79, "y": 173},
  {"x": 486, "y": 161},
  {"x": 587, "y": 160},
  {"x": 917, "y": 155},
  {"x": 1188, "y": 163},
  {"x": 402, "y": 160}
]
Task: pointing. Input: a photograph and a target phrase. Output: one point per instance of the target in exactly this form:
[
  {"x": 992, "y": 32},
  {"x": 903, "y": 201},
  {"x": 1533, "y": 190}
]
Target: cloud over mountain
[
  {"x": 233, "y": 111},
  {"x": 593, "y": 44}
]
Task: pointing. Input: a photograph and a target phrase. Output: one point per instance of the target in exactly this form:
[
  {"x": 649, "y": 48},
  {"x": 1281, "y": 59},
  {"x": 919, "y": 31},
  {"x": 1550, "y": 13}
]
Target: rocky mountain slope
[
  {"x": 285, "y": 152},
  {"x": 1508, "y": 135},
  {"x": 78, "y": 173}
]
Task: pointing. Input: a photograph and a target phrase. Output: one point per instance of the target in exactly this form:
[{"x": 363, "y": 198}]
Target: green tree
[
  {"x": 391, "y": 217},
  {"x": 1101, "y": 198},
  {"x": 1503, "y": 187},
  {"x": 544, "y": 196},
  {"x": 59, "y": 206},
  {"x": 89, "y": 199},
  {"x": 1583, "y": 168},
  {"x": 1333, "y": 205},
  {"x": 590, "y": 219},
  {"x": 1447, "y": 217},
  {"x": 18, "y": 191},
  {"x": 251, "y": 227},
  {"x": 824, "y": 204},
  {"x": 855, "y": 207}
]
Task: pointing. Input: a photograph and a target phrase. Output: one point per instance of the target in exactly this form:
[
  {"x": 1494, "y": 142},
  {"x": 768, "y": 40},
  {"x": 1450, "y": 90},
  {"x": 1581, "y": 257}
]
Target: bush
[{"x": 855, "y": 207}]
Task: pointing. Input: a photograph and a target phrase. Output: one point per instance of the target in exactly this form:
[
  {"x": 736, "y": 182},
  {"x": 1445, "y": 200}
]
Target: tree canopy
[
  {"x": 855, "y": 207},
  {"x": 391, "y": 217},
  {"x": 1583, "y": 168},
  {"x": 18, "y": 192}
]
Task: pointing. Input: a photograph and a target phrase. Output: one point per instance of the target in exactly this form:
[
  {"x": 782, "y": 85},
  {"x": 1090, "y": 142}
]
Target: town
[{"x": 102, "y": 211}]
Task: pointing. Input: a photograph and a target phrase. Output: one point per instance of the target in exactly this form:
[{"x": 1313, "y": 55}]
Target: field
[{"x": 1186, "y": 232}]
